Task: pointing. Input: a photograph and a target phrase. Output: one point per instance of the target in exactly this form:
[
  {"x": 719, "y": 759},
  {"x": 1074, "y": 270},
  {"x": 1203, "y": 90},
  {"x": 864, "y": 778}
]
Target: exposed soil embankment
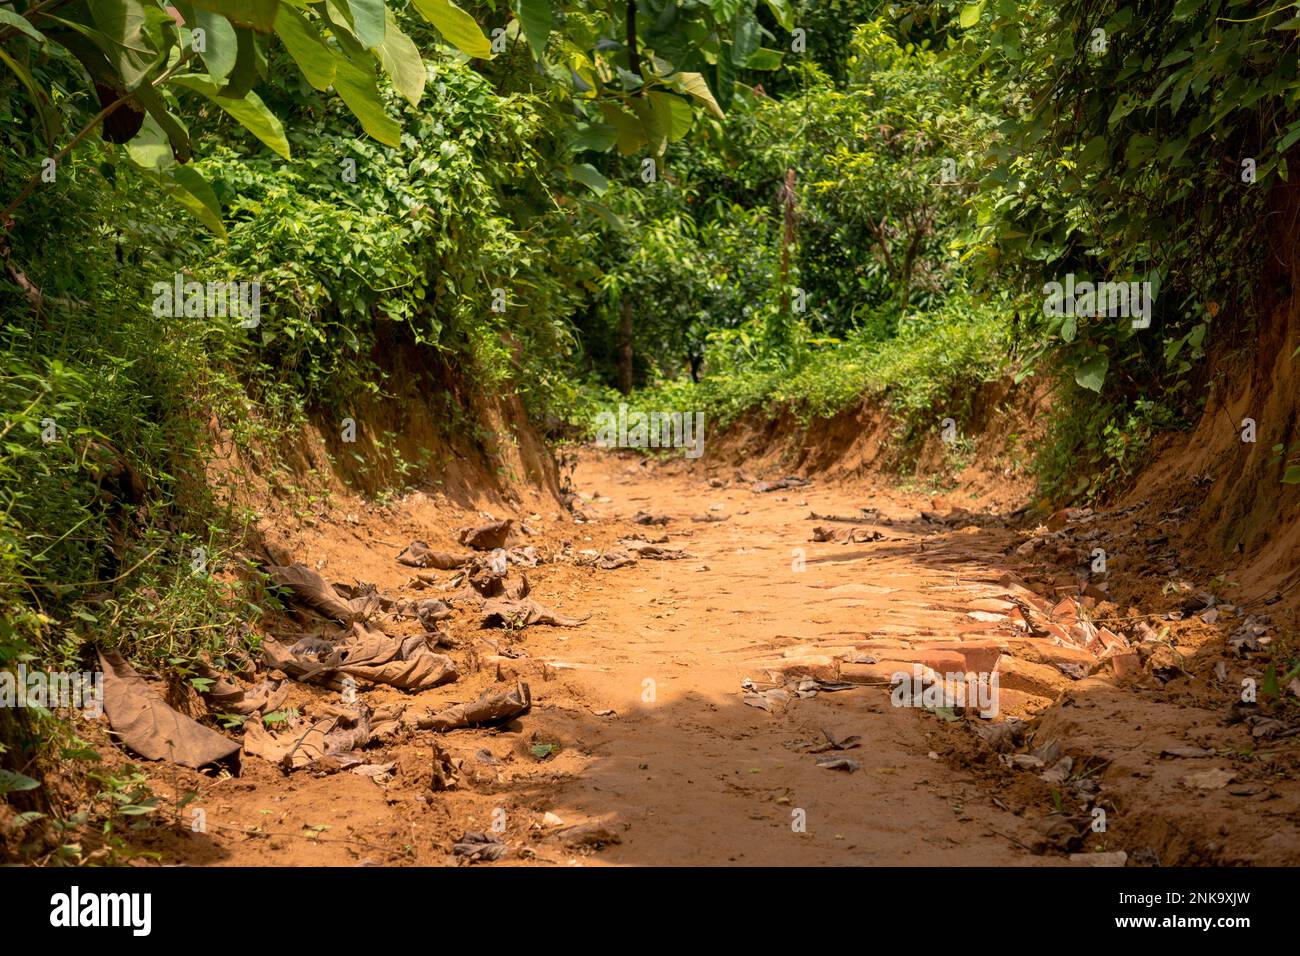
[
  {"x": 427, "y": 425},
  {"x": 332, "y": 481},
  {"x": 980, "y": 456},
  {"x": 1223, "y": 497}
]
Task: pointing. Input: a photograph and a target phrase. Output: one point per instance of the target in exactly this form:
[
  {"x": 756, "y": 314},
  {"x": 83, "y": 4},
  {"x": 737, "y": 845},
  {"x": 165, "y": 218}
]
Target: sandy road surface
[{"x": 641, "y": 727}]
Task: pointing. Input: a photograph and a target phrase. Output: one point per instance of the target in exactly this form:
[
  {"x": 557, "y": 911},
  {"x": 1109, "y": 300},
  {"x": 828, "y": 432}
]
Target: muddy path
[{"x": 644, "y": 737}]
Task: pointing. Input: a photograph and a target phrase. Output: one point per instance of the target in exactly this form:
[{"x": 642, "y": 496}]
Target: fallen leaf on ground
[
  {"x": 503, "y": 612},
  {"x": 364, "y": 653},
  {"x": 847, "y": 764},
  {"x": 488, "y": 709},
  {"x": 480, "y": 847},
  {"x": 487, "y": 537},
  {"x": 417, "y": 554},
  {"x": 313, "y": 591},
  {"x": 150, "y": 726}
]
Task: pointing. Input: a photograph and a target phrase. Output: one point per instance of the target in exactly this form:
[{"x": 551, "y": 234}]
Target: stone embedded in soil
[
  {"x": 1126, "y": 665},
  {"x": 816, "y": 666},
  {"x": 1038, "y": 679},
  {"x": 975, "y": 658},
  {"x": 594, "y": 835},
  {"x": 877, "y": 673},
  {"x": 1216, "y": 778}
]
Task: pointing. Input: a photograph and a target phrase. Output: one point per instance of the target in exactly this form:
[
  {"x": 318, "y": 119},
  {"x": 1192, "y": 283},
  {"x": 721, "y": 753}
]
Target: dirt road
[
  {"x": 640, "y": 721},
  {"x": 697, "y": 776}
]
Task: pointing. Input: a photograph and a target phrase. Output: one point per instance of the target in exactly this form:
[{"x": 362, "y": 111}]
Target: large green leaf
[
  {"x": 191, "y": 190},
  {"x": 220, "y": 44},
  {"x": 401, "y": 61},
  {"x": 456, "y": 26},
  {"x": 694, "y": 84},
  {"x": 726, "y": 76},
  {"x": 149, "y": 148},
  {"x": 177, "y": 134},
  {"x": 970, "y": 14},
  {"x": 654, "y": 124},
  {"x": 590, "y": 177},
  {"x": 122, "y": 24},
  {"x": 150, "y": 151},
  {"x": 765, "y": 59},
  {"x": 10, "y": 19},
  {"x": 249, "y": 110},
  {"x": 340, "y": 22},
  {"x": 631, "y": 132},
  {"x": 370, "y": 19},
  {"x": 783, "y": 11},
  {"x": 746, "y": 38},
  {"x": 674, "y": 114},
  {"x": 1092, "y": 373},
  {"x": 598, "y": 137},
  {"x": 257, "y": 14},
  {"x": 314, "y": 58},
  {"x": 245, "y": 74},
  {"x": 356, "y": 85},
  {"x": 48, "y": 116},
  {"x": 535, "y": 17}
]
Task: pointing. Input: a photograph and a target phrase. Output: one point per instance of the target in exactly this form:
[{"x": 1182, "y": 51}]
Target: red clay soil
[{"x": 644, "y": 745}]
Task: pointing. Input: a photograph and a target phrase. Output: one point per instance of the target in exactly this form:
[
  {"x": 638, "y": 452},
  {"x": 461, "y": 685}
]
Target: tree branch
[
  {"x": 879, "y": 232},
  {"x": 633, "y": 55}
]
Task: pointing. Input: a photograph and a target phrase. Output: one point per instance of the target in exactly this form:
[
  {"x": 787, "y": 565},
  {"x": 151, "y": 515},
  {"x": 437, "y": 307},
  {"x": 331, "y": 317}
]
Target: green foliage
[
  {"x": 874, "y": 214},
  {"x": 1135, "y": 147},
  {"x": 102, "y": 484},
  {"x": 1111, "y": 437},
  {"x": 639, "y": 79},
  {"x": 357, "y": 236},
  {"x": 930, "y": 370},
  {"x": 544, "y": 200}
]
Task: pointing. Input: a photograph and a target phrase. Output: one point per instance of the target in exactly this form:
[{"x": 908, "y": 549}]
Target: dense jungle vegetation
[{"x": 733, "y": 205}]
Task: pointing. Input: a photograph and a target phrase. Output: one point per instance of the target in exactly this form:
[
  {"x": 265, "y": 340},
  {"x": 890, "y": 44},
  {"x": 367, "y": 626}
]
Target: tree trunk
[
  {"x": 625, "y": 348},
  {"x": 787, "y": 236},
  {"x": 905, "y": 279},
  {"x": 633, "y": 54}
]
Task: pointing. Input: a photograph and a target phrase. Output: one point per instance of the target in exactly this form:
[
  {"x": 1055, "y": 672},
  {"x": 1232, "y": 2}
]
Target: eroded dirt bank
[{"x": 687, "y": 720}]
